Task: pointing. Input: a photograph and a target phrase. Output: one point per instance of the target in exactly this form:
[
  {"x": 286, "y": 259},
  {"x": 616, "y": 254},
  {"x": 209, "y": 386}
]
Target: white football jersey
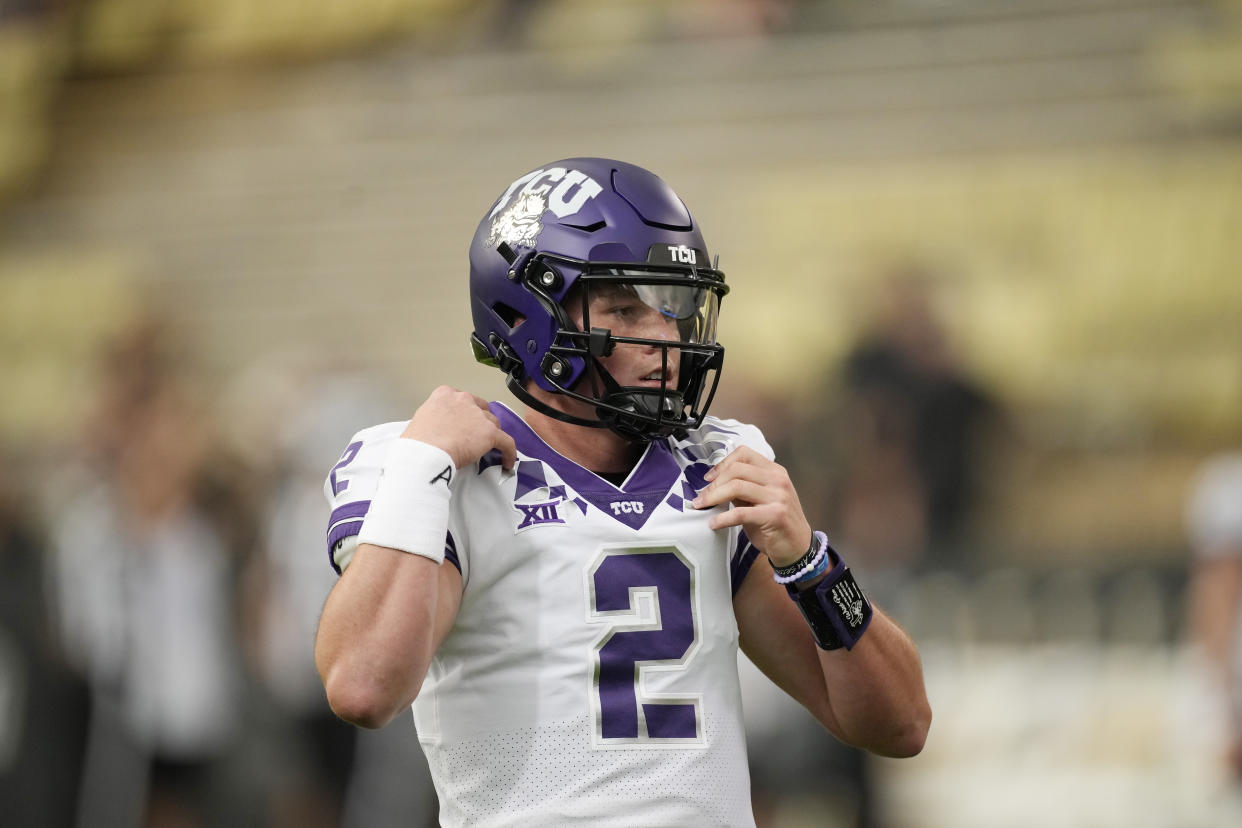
[{"x": 591, "y": 676}]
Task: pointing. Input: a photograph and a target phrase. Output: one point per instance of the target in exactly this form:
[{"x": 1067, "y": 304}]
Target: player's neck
[{"x": 598, "y": 449}]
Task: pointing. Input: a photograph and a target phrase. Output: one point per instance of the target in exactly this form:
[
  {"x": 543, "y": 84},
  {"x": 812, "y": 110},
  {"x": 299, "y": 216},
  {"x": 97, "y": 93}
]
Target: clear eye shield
[{"x": 633, "y": 311}]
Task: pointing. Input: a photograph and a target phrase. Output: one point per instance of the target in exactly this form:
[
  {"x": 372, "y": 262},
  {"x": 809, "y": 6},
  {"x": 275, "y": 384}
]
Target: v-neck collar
[{"x": 652, "y": 477}]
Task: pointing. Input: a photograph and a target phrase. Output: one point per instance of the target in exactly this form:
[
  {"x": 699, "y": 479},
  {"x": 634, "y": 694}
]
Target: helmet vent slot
[
  {"x": 588, "y": 228},
  {"x": 508, "y": 315}
]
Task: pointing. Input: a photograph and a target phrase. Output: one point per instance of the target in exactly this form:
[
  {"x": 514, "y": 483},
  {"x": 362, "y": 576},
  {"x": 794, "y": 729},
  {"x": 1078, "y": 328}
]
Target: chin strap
[
  {"x": 612, "y": 416},
  {"x": 519, "y": 390}
]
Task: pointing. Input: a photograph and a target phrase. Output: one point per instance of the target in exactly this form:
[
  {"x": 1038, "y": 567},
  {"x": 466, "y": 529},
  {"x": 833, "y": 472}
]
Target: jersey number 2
[{"x": 647, "y": 596}]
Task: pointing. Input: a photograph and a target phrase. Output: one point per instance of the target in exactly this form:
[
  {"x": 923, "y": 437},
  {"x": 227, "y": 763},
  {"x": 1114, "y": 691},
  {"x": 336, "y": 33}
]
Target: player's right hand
[{"x": 460, "y": 423}]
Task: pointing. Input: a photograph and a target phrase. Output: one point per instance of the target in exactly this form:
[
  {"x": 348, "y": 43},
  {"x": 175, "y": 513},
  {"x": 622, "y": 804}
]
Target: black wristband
[
  {"x": 797, "y": 566},
  {"x": 835, "y": 608}
]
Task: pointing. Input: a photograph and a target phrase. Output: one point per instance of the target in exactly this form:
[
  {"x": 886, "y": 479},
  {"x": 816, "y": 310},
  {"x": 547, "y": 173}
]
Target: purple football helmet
[{"x": 559, "y": 240}]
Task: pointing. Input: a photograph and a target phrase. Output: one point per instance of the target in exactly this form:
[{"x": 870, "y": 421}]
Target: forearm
[
  {"x": 876, "y": 693},
  {"x": 377, "y": 634},
  {"x": 871, "y": 696}
]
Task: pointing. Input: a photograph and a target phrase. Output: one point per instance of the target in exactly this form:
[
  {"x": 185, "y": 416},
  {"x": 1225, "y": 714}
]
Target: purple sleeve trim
[
  {"x": 743, "y": 558},
  {"x": 450, "y": 551},
  {"x": 342, "y": 531},
  {"x": 343, "y": 523},
  {"x": 357, "y": 509},
  {"x": 346, "y": 521}
]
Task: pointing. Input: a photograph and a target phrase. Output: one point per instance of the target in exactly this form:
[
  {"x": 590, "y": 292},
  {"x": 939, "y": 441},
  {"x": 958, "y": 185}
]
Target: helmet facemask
[{"x": 637, "y": 342}]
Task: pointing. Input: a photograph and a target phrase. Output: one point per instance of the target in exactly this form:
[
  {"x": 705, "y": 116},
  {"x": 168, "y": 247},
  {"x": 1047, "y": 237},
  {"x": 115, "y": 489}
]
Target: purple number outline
[
  {"x": 623, "y": 716},
  {"x": 351, "y": 451}
]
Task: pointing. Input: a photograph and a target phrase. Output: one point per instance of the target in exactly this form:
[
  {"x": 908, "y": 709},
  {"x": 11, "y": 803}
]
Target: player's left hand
[{"x": 764, "y": 501}]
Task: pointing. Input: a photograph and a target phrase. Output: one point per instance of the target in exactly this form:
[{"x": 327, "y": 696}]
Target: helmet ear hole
[{"x": 510, "y": 316}]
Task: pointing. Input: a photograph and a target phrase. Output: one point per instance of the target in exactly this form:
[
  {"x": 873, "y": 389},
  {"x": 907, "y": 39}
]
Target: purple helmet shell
[{"x": 590, "y": 220}]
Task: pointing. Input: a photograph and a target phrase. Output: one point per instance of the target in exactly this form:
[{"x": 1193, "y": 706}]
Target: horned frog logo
[
  {"x": 849, "y": 601},
  {"x": 521, "y": 224},
  {"x": 855, "y": 613},
  {"x": 561, "y": 190}
]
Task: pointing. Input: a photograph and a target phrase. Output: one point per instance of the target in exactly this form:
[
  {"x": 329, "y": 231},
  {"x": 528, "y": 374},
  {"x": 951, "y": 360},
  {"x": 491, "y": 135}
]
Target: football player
[{"x": 561, "y": 593}]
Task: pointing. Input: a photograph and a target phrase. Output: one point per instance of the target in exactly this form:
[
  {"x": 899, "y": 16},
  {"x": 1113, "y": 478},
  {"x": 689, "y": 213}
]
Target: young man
[{"x": 561, "y": 595}]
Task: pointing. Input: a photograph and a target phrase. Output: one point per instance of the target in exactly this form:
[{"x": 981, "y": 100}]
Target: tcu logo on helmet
[
  {"x": 519, "y": 224},
  {"x": 681, "y": 253}
]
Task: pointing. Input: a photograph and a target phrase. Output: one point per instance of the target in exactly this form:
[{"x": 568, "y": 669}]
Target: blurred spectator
[
  {"x": 43, "y": 707},
  {"x": 909, "y": 438},
  {"x": 1214, "y": 523},
  {"x": 887, "y": 457},
  {"x": 327, "y": 772},
  {"x": 144, "y": 567},
  {"x": 800, "y": 774}
]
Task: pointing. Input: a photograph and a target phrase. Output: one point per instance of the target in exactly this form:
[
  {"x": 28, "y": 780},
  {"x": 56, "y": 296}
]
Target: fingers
[
  {"x": 736, "y": 490},
  {"x": 740, "y": 516},
  {"x": 508, "y": 449},
  {"x": 762, "y": 501},
  {"x": 500, "y": 440},
  {"x": 463, "y": 425},
  {"x": 744, "y": 475},
  {"x": 492, "y": 418},
  {"x": 741, "y": 456}
]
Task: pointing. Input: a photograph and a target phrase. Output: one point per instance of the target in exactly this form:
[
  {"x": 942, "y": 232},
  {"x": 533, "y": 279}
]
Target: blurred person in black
[
  {"x": 43, "y": 705},
  {"x": 892, "y": 449},
  {"x": 910, "y": 433},
  {"x": 144, "y": 552}
]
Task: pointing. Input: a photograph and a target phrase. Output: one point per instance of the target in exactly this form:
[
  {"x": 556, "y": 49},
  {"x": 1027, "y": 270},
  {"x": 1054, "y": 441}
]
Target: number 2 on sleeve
[{"x": 351, "y": 451}]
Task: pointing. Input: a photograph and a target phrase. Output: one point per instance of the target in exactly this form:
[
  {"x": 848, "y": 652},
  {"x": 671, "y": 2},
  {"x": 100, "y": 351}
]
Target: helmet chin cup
[{"x": 642, "y": 414}]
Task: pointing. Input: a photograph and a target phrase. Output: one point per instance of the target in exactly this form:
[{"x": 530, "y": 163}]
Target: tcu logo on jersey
[
  {"x": 539, "y": 514},
  {"x": 681, "y": 253},
  {"x": 627, "y": 507}
]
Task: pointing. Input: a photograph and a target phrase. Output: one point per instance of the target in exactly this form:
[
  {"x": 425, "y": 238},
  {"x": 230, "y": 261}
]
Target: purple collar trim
[{"x": 632, "y": 503}]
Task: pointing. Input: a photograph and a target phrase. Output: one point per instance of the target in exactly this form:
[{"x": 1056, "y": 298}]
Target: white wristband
[{"x": 410, "y": 509}]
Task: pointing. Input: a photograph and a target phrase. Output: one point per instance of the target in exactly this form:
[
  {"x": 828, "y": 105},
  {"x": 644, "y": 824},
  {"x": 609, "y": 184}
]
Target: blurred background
[{"x": 986, "y": 304}]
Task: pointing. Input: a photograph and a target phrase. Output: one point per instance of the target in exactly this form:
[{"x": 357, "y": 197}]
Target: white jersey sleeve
[
  {"x": 720, "y": 437},
  {"x": 350, "y": 486}
]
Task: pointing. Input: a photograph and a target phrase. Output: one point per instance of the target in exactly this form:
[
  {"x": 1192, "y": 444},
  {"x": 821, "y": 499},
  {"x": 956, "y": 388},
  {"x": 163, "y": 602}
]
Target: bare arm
[
  {"x": 389, "y": 612},
  {"x": 380, "y": 627},
  {"x": 872, "y": 696}
]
